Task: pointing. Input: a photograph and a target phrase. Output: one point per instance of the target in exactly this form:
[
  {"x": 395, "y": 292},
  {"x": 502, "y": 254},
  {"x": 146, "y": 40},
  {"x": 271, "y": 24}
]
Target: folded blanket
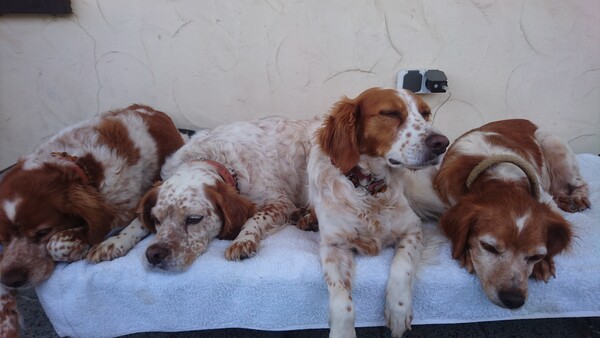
[{"x": 282, "y": 288}]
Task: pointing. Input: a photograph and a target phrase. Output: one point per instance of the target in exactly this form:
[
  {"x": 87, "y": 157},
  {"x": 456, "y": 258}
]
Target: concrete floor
[{"x": 37, "y": 325}]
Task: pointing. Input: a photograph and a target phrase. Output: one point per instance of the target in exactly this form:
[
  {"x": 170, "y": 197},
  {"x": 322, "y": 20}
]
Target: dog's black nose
[
  {"x": 15, "y": 277},
  {"x": 156, "y": 254},
  {"x": 512, "y": 298},
  {"x": 437, "y": 143}
]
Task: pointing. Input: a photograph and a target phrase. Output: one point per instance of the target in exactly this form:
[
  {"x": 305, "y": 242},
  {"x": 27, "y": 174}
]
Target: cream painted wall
[{"x": 208, "y": 62}]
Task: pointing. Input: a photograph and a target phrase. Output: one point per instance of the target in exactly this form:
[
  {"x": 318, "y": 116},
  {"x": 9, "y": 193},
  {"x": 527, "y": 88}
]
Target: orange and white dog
[
  {"x": 503, "y": 183},
  {"x": 73, "y": 189},
  {"x": 356, "y": 188}
]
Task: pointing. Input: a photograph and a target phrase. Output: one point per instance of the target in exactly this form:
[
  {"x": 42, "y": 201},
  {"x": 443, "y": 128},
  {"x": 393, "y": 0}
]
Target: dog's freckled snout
[
  {"x": 512, "y": 298},
  {"x": 156, "y": 254},
  {"x": 15, "y": 278},
  {"x": 437, "y": 143}
]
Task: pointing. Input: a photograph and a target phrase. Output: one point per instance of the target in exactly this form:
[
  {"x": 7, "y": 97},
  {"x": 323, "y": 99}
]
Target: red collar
[
  {"x": 79, "y": 167},
  {"x": 225, "y": 174}
]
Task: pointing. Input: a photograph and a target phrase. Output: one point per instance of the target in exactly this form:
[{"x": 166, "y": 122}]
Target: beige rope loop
[{"x": 519, "y": 162}]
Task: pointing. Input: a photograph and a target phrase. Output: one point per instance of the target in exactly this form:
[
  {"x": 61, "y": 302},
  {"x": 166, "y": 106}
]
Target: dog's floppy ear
[
  {"x": 85, "y": 202},
  {"x": 456, "y": 224},
  {"x": 145, "y": 207},
  {"x": 235, "y": 208},
  {"x": 337, "y": 137},
  {"x": 559, "y": 234},
  {"x": 558, "y": 238}
]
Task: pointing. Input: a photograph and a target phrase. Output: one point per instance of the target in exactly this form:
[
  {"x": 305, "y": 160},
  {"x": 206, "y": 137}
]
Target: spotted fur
[
  {"x": 382, "y": 132},
  {"x": 194, "y": 204}
]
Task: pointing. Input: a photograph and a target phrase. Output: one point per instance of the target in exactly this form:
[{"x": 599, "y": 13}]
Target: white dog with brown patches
[
  {"x": 67, "y": 195},
  {"x": 241, "y": 178},
  {"x": 502, "y": 183},
  {"x": 356, "y": 188},
  {"x": 74, "y": 188}
]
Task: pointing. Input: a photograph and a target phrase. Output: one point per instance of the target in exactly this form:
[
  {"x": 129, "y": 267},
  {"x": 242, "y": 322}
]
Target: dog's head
[
  {"x": 187, "y": 211},
  {"x": 503, "y": 238},
  {"x": 36, "y": 202},
  {"x": 387, "y": 123}
]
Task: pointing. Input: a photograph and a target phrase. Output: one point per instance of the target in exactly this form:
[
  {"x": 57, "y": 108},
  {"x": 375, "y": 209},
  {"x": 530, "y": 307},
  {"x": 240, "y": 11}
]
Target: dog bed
[{"x": 282, "y": 288}]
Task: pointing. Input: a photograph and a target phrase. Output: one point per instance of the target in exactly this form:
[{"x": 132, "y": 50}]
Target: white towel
[{"x": 282, "y": 287}]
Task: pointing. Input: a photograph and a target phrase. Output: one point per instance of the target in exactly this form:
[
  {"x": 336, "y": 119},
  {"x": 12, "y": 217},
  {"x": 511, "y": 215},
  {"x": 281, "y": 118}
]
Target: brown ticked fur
[{"x": 233, "y": 209}]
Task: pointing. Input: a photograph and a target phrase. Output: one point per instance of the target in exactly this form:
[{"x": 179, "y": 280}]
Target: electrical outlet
[{"x": 422, "y": 81}]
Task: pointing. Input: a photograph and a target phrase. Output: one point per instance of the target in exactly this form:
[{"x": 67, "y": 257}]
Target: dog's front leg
[
  {"x": 338, "y": 270},
  {"x": 118, "y": 245},
  {"x": 68, "y": 245},
  {"x": 398, "y": 300},
  {"x": 264, "y": 223}
]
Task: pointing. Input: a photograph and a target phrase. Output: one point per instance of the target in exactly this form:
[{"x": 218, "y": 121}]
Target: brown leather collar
[
  {"x": 356, "y": 176},
  {"x": 227, "y": 176},
  {"x": 79, "y": 167},
  {"x": 507, "y": 158}
]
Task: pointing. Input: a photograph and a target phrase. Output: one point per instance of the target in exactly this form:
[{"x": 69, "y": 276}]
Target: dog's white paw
[
  {"x": 576, "y": 201},
  {"x": 65, "y": 246},
  {"x": 342, "y": 332},
  {"x": 108, "y": 250},
  {"x": 67, "y": 252},
  {"x": 241, "y": 249},
  {"x": 399, "y": 317}
]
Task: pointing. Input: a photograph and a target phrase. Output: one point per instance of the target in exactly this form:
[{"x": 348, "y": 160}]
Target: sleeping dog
[
  {"x": 240, "y": 181},
  {"x": 503, "y": 184},
  {"x": 67, "y": 195}
]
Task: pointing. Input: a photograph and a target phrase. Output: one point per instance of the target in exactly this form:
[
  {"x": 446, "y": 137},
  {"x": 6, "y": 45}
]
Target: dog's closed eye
[
  {"x": 390, "y": 113},
  {"x": 536, "y": 255},
  {"x": 489, "y": 248},
  {"x": 40, "y": 234},
  {"x": 534, "y": 258}
]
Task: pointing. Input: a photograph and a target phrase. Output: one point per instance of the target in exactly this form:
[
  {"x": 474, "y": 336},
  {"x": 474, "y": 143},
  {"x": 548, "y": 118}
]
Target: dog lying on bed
[
  {"x": 240, "y": 181},
  {"x": 503, "y": 183},
  {"x": 355, "y": 186},
  {"x": 73, "y": 189}
]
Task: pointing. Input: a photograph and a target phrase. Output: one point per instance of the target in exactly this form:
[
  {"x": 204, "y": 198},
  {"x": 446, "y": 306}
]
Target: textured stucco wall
[{"x": 207, "y": 62}]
